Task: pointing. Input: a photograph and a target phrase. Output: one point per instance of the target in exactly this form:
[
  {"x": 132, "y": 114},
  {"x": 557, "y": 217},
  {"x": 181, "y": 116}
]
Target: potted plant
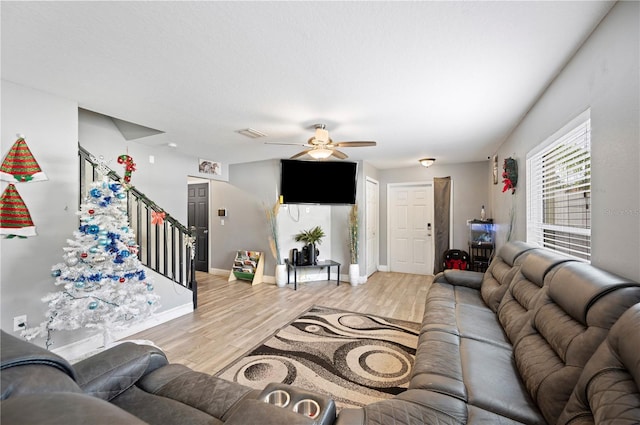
[
  {"x": 272, "y": 220},
  {"x": 311, "y": 237},
  {"x": 354, "y": 234}
]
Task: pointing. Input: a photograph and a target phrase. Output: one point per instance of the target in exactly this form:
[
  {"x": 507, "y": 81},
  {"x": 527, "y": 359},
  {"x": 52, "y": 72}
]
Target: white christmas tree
[{"x": 104, "y": 285}]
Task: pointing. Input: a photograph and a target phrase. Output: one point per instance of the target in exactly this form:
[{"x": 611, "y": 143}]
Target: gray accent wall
[
  {"x": 469, "y": 193},
  {"x": 604, "y": 76},
  {"x": 50, "y": 127}
]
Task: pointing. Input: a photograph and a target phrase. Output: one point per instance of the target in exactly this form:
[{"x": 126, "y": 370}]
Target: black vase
[{"x": 313, "y": 254}]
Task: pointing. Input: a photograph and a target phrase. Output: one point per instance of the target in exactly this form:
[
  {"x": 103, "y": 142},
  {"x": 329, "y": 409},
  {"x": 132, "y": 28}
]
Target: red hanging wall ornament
[
  {"x": 129, "y": 166},
  {"x": 510, "y": 175}
]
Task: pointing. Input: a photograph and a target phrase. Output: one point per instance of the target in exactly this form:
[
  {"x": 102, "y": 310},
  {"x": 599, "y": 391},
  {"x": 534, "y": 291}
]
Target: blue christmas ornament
[
  {"x": 121, "y": 195},
  {"x": 118, "y": 260},
  {"x": 95, "y": 192},
  {"x": 149, "y": 287},
  {"x": 102, "y": 241},
  {"x": 115, "y": 187},
  {"x": 124, "y": 253},
  {"x": 93, "y": 229},
  {"x": 79, "y": 285},
  {"x": 103, "y": 232},
  {"x": 94, "y": 250},
  {"x": 56, "y": 273},
  {"x": 93, "y": 305}
]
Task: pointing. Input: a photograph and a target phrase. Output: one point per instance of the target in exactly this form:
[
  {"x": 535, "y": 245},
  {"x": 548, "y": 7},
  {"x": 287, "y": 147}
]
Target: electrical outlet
[{"x": 19, "y": 323}]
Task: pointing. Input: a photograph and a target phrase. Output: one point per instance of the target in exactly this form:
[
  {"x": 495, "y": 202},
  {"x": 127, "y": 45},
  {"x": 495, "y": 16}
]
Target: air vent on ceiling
[{"x": 252, "y": 133}]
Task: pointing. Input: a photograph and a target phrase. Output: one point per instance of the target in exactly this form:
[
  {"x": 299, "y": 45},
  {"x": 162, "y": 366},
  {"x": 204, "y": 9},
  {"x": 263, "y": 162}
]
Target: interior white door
[
  {"x": 410, "y": 215},
  {"x": 372, "y": 224}
]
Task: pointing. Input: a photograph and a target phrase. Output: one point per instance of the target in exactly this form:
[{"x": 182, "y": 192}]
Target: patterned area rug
[{"x": 354, "y": 358}]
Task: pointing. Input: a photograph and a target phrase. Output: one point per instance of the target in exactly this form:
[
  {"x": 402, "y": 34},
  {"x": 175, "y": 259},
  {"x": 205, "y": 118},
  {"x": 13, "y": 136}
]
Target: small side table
[{"x": 320, "y": 264}]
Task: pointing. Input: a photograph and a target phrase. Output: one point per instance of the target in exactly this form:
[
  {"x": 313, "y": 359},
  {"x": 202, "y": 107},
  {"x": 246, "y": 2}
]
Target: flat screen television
[{"x": 318, "y": 182}]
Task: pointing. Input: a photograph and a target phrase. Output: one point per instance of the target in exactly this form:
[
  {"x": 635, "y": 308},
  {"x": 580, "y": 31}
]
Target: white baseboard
[
  {"x": 79, "y": 350},
  {"x": 219, "y": 272},
  {"x": 382, "y": 268}
]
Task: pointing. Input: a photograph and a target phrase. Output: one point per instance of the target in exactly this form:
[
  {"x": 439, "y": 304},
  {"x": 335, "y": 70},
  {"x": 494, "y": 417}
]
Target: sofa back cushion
[
  {"x": 577, "y": 307},
  {"x": 609, "y": 386},
  {"x": 525, "y": 288},
  {"x": 500, "y": 272}
]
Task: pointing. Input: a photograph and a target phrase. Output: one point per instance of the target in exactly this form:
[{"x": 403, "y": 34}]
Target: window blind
[{"x": 559, "y": 194}]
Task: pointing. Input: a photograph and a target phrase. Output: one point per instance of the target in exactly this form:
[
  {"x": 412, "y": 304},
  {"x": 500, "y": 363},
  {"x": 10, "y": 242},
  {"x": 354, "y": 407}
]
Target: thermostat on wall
[{"x": 222, "y": 212}]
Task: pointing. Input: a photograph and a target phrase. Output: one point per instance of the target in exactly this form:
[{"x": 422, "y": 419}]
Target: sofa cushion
[
  {"x": 609, "y": 386},
  {"x": 500, "y": 272},
  {"x": 577, "y": 307},
  {"x": 525, "y": 288}
]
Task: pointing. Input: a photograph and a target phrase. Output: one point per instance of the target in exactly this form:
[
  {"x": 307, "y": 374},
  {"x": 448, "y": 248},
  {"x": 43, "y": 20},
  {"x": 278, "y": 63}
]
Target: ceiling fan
[{"x": 321, "y": 146}]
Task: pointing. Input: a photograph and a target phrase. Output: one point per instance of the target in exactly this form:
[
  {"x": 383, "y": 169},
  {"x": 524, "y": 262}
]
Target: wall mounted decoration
[
  {"x": 209, "y": 167},
  {"x": 510, "y": 175},
  {"x": 495, "y": 168},
  {"x": 15, "y": 219},
  {"x": 19, "y": 165}
]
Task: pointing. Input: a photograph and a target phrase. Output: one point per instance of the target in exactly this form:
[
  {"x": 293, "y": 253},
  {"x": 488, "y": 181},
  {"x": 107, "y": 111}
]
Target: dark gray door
[{"x": 198, "y": 216}]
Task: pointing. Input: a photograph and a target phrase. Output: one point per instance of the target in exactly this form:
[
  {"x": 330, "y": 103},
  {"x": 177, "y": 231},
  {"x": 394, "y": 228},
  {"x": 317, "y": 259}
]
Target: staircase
[{"x": 168, "y": 248}]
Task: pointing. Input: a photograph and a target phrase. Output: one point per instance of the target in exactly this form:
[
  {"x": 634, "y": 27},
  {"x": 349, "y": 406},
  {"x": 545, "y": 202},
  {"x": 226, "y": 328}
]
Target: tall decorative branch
[
  {"x": 272, "y": 221},
  {"x": 354, "y": 233}
]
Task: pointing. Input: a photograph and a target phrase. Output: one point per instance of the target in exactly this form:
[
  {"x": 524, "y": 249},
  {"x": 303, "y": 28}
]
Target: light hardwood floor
[{"x": 233, "y": 317}]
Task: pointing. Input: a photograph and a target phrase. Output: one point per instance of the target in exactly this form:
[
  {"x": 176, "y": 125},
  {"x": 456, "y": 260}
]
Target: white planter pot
[
  {"x": 354, "y": 274},
  {"x": 281, "y": 275}
]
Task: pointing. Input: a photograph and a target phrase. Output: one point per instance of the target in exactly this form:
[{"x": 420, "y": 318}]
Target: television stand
[{"x": 320, "y": 264}]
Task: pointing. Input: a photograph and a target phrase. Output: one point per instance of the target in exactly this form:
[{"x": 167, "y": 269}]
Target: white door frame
[
  {"x": 414, "y": 183},
  {"x": 376, "y": 225}
]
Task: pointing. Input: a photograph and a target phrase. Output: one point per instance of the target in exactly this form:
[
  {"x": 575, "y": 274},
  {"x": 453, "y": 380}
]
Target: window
[{"x": 559, "y": 191}]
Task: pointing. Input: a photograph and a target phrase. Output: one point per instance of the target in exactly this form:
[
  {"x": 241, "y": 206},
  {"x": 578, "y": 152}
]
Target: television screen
[{"x": 318, "y": 182}]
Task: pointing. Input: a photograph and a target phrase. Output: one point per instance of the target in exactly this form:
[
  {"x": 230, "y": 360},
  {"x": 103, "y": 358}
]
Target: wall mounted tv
[{"x": 318, "y": 182}]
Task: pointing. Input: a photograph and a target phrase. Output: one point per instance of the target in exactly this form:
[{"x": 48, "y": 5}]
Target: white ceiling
[{"x": 442, "y": 79}]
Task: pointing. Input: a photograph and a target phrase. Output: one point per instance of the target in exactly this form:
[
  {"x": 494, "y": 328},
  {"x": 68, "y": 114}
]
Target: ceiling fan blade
[
  {"x": 287, "y": 144},
  {"x": 299, "y": 154},
  {"x": 354, "y": 144},
  {"x": 338, "y": 154}
]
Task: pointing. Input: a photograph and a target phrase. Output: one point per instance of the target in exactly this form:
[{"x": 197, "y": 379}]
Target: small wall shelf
[{"x": 247, "y": 266}]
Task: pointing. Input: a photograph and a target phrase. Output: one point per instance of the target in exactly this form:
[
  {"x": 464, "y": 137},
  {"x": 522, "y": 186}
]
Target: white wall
[{"x": 604, "y": 75}]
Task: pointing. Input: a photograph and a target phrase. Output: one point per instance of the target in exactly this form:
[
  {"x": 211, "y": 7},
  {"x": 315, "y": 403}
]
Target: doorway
[
  {"x": 372, "y": 225},
  {"x": 198, "y": 217},
  {"x": 410, "y": 224}
]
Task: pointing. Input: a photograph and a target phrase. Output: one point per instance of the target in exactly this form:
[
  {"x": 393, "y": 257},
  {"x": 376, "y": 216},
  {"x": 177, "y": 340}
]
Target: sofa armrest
[
  {"x": 460, "y": 278},
  {"x": 210, "y": 394},
  {"x": 110, "y": 372},
  {"x": 63, "y": 408}
]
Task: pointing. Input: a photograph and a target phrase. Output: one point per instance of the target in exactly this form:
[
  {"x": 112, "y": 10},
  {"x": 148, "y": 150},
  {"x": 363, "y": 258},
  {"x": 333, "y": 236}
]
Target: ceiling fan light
[
  {"x": 321, "y": 153},
  {"x": 322, "y": 135},
  {"x": 427, "y": 162}
]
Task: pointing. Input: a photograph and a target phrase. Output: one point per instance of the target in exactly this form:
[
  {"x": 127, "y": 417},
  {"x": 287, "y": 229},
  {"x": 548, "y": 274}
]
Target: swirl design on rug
[{"x": 354, "y": 358}]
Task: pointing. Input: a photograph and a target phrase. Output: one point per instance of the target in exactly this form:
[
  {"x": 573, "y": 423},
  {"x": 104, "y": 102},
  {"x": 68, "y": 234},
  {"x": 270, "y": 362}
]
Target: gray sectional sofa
[
  {"x": 132, "y": 384},
  {"x": 516, "y": 345}
]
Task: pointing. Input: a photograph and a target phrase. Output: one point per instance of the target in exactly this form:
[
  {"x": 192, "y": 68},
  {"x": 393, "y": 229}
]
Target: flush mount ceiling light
[
  {"x": 427, "y": 162},
  {"x": 320, "y": 153},
  {"x": 252, "y": 133}
]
